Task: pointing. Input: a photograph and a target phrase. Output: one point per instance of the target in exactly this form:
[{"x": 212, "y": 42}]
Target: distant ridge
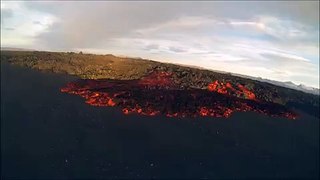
[{"x": 286, "y": 84}]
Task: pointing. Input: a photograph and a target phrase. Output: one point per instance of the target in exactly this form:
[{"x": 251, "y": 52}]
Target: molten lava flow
[
  {"x": 228, "y": 89},
  {"x": 157, "y": 79},
  {"x": 111, "y": 103},
  {"x": 248, "y": 94},
  {"x": 158, "y": 94}
]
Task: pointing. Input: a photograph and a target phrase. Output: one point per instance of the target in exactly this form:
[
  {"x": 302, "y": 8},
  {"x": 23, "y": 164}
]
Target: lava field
[{"x": 159, "y": 94}]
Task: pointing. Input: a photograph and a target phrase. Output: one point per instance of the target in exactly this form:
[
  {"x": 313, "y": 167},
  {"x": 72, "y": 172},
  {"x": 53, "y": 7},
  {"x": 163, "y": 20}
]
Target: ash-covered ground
[{"x": 49, "y": 134}]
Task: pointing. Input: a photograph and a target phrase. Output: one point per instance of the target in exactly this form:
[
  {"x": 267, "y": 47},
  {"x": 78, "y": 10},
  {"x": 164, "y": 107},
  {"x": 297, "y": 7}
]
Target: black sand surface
[{"x": 49, "y": 134}]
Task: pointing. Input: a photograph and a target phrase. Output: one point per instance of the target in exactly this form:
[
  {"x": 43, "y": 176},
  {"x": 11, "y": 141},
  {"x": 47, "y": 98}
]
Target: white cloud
[
  {"x": 179, "y": 24},
  {"x": 283, "y": 29},
  {"x": 24, "y": 30}
]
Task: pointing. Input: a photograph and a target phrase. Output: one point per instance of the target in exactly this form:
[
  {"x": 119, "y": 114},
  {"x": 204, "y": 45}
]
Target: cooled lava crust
[{"x": 159, "y": 94}]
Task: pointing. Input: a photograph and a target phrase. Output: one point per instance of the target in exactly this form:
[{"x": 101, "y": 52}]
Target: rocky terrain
[
  {"x": 159, "y": 94},
  {"x": 89, "y": 66}
]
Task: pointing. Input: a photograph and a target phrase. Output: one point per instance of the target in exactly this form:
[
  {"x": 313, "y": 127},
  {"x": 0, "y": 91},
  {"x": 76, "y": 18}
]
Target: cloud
[
  {"x": 6, "y": 13},
  {"x": 151, "y": 47},
  {"x": 19, "y": 30},
  {"x": 286, "y": 29},
  {"x": 148, "y": 16},
  {"x": 283, "y": 56},
  {"x": 9, "y": 28},
  {"x": 274, "y": 40},
  {"x": 37, "y": 22},
  {"x": 177, "y": 49}
]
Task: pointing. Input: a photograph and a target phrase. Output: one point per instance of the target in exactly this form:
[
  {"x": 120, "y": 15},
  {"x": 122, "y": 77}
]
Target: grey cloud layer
[{"x": 90, "y": 24}]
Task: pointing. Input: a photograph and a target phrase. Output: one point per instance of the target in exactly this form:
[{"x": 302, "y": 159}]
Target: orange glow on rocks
[
  {"x": 228, "y": 89},
  {"x": 111, "y": 103},
  {"x": 158, "y": 79},
  {"x": 157, "y": 94}
]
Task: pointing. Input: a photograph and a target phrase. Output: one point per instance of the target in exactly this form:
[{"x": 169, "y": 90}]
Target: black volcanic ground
[
  {"x": 48, "y": 134},
  {"x": 144, "y": 119}
]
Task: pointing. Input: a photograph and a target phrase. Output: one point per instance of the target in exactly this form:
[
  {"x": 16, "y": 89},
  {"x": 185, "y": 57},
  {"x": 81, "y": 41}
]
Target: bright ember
[{"x": 158, "y": 94}]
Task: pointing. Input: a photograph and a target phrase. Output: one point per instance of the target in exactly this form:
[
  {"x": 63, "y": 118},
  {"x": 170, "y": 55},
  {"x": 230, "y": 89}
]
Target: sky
[{"x": 277, "y": 40}]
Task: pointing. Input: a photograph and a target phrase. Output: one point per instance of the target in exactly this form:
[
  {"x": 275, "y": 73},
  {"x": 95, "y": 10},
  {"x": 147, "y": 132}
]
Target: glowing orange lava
[
  {"x": 157, "y": 94},
  {"x": 228, "y": 89}
]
